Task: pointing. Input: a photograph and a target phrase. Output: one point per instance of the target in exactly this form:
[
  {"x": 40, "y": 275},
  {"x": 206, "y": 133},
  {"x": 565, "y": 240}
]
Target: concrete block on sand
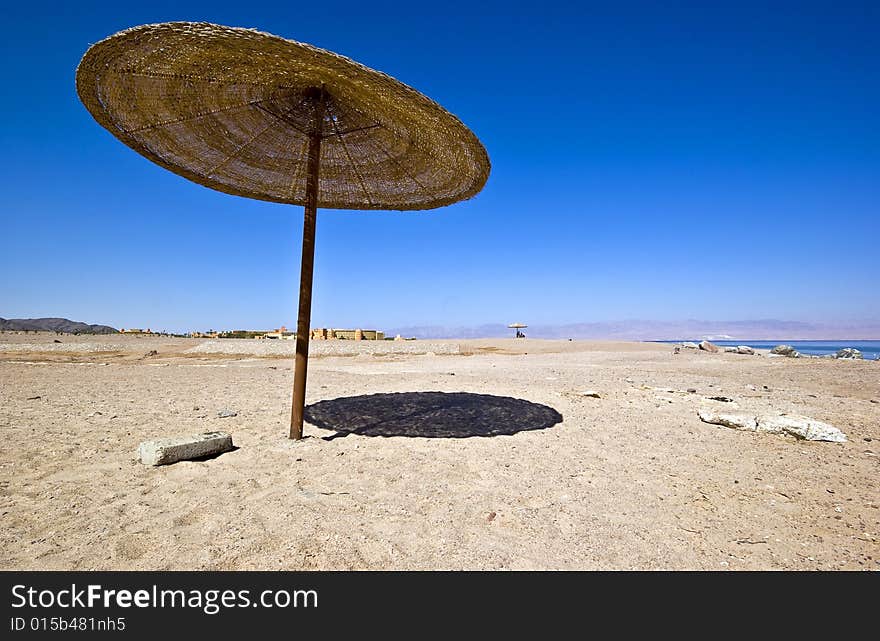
[{"x": 165, "y": 451}]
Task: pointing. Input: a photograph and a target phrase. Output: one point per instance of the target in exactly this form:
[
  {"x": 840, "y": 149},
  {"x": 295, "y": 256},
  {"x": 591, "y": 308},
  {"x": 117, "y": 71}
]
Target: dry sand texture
[{"x": 629, "y": 480}]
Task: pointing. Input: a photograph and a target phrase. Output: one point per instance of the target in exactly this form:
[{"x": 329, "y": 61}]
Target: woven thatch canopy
[
  {"x": 255, "y": 115},
  {"x": 230, "y": 109}
]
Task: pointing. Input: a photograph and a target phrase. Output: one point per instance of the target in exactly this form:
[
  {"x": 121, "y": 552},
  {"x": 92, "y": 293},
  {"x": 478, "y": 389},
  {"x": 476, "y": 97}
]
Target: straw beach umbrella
[
  {"x": 517, "y": 327},
  {"x": 255, "y": 115}
]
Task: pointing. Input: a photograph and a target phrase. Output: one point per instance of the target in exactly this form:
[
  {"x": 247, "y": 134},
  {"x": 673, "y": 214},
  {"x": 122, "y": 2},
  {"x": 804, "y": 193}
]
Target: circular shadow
[{"x": 430, "y": 415}]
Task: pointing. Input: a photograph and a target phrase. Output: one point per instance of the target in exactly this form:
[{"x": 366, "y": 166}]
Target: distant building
[
  {"x": 326, "y": 334},
  {"x": 281, "y": 333},
  {"x": 132, "y": 330},
  {"x": 347, "y": 334}
]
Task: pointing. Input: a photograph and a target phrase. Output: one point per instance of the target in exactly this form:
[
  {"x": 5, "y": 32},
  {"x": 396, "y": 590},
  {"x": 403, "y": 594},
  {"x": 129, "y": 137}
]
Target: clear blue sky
[{"x": 651, "y": 160}]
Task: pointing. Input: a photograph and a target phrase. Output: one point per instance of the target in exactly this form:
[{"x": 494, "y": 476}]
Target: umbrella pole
[{"x": 303, "y": 325}]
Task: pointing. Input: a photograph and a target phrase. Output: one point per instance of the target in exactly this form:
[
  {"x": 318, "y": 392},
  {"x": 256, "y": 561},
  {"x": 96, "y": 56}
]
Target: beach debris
[
  {"x": 849, "y": 352},
  {"x": 166, "y": 451},
  {"x": 226, "y": 413},
  {"x": 56, "y": 341},
  {"x": 785, "y": 350},
  {"x": 706, "y": 346},
  {"x": 745, "y": 349},
  {"x": 749, "y": 541},
  {"x": 34, "y": 398},
  {"x": 720, "y": 399},
  {"x": 676, "y": 349},
  {"x": 692, "y": 390},
  {"x": 690, "y": 345},
  {"x": 591, "y": 393},
  {"x": 799, "y": 426},
  {"x": 150, "y": 354},
  {"x": 491, "y": 516}
]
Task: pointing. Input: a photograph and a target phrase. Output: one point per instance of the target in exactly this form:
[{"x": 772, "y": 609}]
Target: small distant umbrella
[
  {"x": 517, "y": 327},
  {"x": 255, "y": 115}
]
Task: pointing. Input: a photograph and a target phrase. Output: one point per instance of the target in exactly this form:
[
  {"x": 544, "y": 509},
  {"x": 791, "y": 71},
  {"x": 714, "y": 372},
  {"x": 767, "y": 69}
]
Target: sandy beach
[{"x": 479, "y": 454}]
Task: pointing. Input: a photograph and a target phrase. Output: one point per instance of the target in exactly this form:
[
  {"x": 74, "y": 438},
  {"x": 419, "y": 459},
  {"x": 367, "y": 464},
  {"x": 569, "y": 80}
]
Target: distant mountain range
[
  {"x": 646, "y": 330},
  {"x": 53, "y": 325}
]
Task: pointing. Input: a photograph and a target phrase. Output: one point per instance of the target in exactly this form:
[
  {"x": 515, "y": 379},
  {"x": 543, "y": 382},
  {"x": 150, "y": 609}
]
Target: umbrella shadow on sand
[{"x": 430, "y": 415}]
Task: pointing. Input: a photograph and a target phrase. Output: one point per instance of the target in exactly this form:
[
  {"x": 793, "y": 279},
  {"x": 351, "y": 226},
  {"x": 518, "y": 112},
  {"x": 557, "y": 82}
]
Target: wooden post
[{"x": 307, "y": 270}]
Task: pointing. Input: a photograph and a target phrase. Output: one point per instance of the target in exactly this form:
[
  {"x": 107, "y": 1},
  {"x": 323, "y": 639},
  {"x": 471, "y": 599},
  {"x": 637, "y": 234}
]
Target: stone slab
[{"x": 165, "y": 451}]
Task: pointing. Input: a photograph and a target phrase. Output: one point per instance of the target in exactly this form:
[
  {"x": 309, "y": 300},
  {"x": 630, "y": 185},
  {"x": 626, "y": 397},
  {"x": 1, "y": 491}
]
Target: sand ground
[{"x": 629, "y": 480}]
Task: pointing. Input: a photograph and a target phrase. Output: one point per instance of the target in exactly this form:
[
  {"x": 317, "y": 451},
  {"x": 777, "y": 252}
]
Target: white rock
[
  {"x": 736, "y": 421},
  {"x": 744, "y": 349},
  {"x": 591, "y": 393},
  {"x": 690, "y": 345},
  {"x": 801, "y": 427},
  {"x": 165, "y": 451},
  {"x": 730, "y": 350}
]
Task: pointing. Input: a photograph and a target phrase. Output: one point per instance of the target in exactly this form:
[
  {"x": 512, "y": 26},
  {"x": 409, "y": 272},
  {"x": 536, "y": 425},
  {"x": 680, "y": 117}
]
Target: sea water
[{"x": 870, "y": 349}]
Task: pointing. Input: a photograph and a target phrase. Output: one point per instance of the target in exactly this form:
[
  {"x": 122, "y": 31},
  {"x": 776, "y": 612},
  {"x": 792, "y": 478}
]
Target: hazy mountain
[
  {"x": 764, "y": 329},
  {"x": 53, "y": 325}
]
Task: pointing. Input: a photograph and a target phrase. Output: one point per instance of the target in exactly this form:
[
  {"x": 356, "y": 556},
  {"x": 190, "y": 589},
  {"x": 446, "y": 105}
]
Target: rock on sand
[
  {"x": 785, "y": 350},
  {"x": 171, "y": 450},
  {"x": 736, "y": 421},
  {"x": 798, "y": 426},
  {"x": 801, "y": 426}
]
